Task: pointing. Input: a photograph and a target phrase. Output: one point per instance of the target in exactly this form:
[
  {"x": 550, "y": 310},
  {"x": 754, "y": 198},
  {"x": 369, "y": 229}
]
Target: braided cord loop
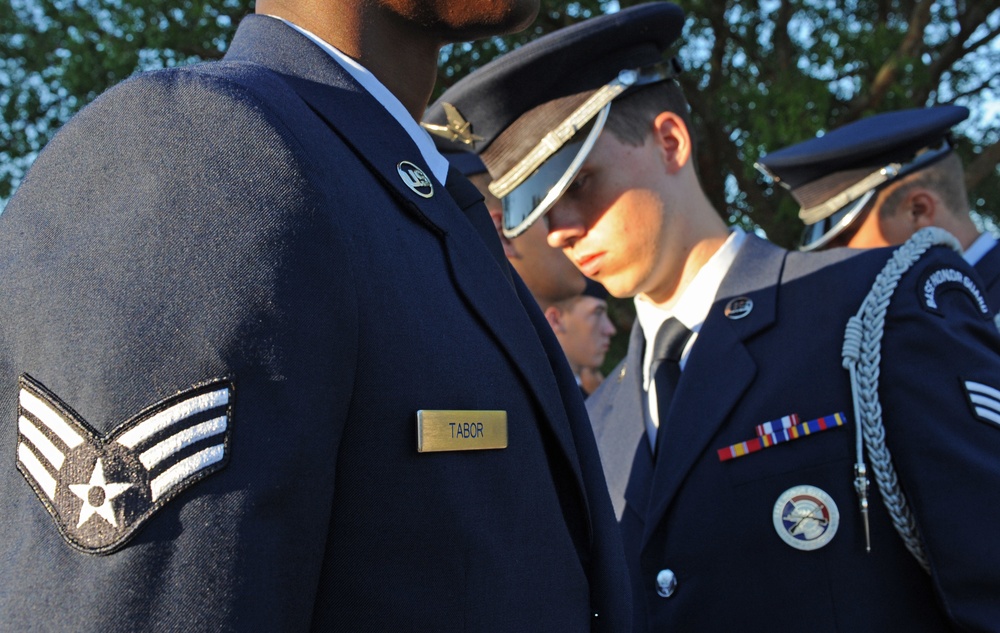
[{"x": 862, "y": 354}]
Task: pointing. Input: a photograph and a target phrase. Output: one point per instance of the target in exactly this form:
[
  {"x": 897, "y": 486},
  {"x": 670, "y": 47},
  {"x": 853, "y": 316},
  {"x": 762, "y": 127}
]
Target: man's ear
[
  {"x": 554, "y": 316},
  {"x": 922, "y": 208},
  {"x": 674, "y": 140},
  {"x": 508, "y": 247}
]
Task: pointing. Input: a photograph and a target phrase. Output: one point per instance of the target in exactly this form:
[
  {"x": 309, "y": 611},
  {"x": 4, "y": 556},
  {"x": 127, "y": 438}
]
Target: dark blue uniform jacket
[
  {"x": 245, "y": 222},
  {"x": 712, "y": 522}
]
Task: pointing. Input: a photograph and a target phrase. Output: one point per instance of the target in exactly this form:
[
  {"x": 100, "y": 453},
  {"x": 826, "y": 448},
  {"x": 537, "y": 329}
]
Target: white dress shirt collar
[
  {"x": 693, "y": 306},
  {"x": 437, "y": 163},
  {"x": 980, "y": 247}
]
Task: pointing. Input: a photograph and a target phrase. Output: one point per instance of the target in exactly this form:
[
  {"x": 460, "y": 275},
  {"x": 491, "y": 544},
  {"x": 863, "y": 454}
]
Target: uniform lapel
[
  {"x": 351, "y": 113},
  {"x": 620, "y": 429},
  {"x": 718, "y": 371}
]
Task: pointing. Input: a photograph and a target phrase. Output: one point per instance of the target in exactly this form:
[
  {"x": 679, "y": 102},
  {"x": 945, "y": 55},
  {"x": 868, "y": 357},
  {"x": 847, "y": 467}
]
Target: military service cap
[
  {"x": 460, "y": 156},
  {"x": 534, "y": 114},
  {"x": 833, "y": 177}
]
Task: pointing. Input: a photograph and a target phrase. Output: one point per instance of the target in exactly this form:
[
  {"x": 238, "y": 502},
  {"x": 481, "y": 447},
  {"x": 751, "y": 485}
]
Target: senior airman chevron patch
[
  {"x": 99, "y": 490},
  {"x": 984, "y": 400}
]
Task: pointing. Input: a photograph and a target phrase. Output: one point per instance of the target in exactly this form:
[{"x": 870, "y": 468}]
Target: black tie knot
[{"x": 670, "y": 341}]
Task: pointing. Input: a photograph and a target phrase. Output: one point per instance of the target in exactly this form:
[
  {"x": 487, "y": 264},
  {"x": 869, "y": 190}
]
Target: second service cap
[{"x": 835, "y": 175}]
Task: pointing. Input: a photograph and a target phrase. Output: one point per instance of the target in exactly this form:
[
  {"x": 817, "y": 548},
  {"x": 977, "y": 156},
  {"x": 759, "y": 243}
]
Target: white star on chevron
[
  {"x": 103, "y": 495},
  {"x": 125, "y": 475}
]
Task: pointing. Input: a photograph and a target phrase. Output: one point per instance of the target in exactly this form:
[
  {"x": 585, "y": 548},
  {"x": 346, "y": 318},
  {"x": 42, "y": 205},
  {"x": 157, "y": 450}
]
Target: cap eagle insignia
[{"x": 457, "y": 129}]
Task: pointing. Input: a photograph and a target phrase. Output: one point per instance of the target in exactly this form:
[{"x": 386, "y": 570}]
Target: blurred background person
[
  {"x": 546, "y": 271},
  {"x": 575, "y": 307},
  {"x": 584, "y": 331},
  {"x": 877, "y": 181}
]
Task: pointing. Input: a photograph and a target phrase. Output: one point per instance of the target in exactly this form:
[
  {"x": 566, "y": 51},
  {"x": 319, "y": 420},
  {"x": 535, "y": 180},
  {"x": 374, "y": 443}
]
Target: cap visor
[{"x": 530, "y": 200}]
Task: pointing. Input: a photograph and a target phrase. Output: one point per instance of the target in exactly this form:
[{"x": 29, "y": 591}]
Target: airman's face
[
  {"x": 548, "y": 274},
  {"x": 463, "y": 20},
  {"x": 585, "y": 332},
  {"x": 617, "y": 225}
]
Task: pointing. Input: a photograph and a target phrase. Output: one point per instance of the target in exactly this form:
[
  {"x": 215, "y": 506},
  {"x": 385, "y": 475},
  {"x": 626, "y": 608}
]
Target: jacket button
[{"x": 666, "y": 583}]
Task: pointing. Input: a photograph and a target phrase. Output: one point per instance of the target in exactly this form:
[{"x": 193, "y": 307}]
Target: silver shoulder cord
[{"x": 862, "y": 353}]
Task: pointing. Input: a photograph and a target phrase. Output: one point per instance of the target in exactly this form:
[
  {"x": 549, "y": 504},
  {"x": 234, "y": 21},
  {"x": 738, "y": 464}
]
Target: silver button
[{"x": 666, "y": 583}]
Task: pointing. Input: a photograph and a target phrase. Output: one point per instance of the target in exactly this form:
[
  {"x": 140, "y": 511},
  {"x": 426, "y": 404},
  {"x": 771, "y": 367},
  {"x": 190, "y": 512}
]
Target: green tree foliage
[
  {"x": 58, "y": 55},
  {"x": 760, "y": 74},
  {"x": 768, "y": 73}
]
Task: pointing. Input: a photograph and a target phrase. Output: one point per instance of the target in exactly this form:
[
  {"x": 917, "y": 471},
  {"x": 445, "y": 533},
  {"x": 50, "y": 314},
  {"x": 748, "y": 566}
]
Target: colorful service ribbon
[
  {"x": 783, "y": 430},
  {"x": 774, "y": 426}
]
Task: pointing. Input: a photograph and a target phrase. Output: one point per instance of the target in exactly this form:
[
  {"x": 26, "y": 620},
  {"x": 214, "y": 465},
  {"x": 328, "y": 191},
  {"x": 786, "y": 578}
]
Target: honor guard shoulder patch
[
  {"x": 99, "y": 490},
  {"x": 937, "y": 281}
]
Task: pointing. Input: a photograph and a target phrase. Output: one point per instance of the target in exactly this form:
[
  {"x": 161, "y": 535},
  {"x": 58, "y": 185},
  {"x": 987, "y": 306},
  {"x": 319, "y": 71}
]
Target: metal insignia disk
[
  {"x": 415, "y": 178},
  {"x": 739, "y": 308},
  {"x": 806, "y": 517},
  {"x": 100, "y": 488}
]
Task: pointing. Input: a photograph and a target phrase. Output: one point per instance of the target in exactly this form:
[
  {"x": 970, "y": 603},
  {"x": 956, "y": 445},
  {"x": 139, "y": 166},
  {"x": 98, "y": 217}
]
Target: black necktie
[
  {"x": 470, "y": 201},
  {"x": 667, "y": 350}
]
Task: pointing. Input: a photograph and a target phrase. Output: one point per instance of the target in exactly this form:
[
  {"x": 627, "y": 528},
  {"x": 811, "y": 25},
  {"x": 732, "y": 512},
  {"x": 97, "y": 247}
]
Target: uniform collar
[
  {"x": 980, "y": 247},
  {"x": 437, "y": 163},
  {"x": 694, "y": 304}
]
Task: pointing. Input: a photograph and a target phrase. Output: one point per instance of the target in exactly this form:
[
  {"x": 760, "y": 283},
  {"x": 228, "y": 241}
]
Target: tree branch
[
  {"x": 889, "y": 71},
  {"x": 983, "y": 165},
  {"x": 954, "y": 49}
]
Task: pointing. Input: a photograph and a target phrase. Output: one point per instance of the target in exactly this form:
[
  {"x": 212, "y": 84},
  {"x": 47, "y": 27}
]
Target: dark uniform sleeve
[
  {"x": 940, "y": 397},
  {"x": 169, "y": 236}
]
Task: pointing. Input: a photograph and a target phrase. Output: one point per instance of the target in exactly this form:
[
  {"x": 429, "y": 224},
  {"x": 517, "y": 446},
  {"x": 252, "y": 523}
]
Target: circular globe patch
[{"x": 806, "y": 517}]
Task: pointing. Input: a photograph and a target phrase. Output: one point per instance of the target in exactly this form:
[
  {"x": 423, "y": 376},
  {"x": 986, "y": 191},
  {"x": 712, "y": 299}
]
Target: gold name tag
[{"x": 461, "y": 430}]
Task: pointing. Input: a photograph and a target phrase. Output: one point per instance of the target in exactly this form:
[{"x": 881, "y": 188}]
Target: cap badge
[
  {"x": 806, "y": 517},
  {"x": 457, "y": 129},
  {"x": 100, "y": 489},
  {"x": 415, "y": 178},
  {"x": 739, "y": 308}
]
